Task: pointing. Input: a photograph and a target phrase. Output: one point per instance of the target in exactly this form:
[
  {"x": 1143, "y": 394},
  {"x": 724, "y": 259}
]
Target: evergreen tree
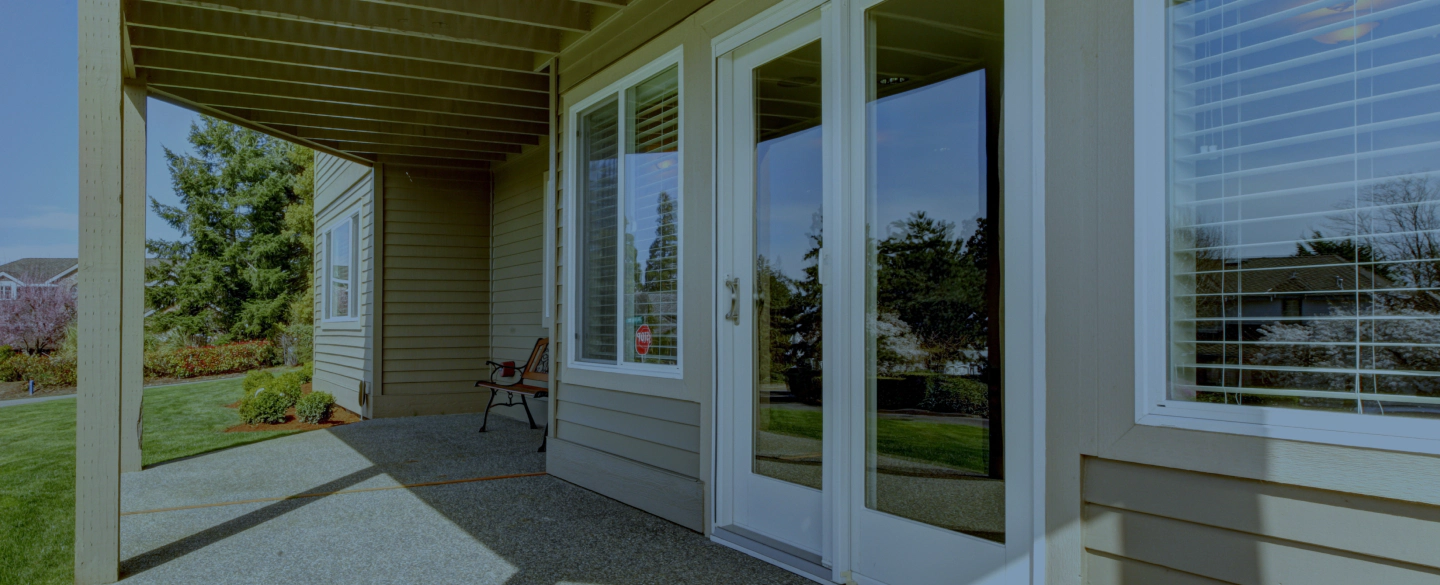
[
  {"x": 935, "y": 284},
  {"x": 240, "y": 261}
]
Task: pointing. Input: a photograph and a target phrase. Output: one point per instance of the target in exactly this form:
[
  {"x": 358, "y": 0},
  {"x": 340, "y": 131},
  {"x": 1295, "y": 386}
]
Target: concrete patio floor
[{"x": 230, "y": 516}]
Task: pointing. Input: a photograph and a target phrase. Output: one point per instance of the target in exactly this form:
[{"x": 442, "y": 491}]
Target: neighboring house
[
  {"x": 30, "y": 272},
  {"x": 648, "y": 184}
]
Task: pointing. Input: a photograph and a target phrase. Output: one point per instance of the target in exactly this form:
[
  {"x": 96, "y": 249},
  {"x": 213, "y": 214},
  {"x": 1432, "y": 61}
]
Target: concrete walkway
[{"x": 231, "y": 516}]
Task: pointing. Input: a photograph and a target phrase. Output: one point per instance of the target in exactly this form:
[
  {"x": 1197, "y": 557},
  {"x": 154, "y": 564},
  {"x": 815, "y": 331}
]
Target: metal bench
[{"x": 536, "y": 369}]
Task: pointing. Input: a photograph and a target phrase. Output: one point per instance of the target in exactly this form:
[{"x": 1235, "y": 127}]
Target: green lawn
[
  {"x": 954, "y": 445},
  {"x": 37, "y": 468}
]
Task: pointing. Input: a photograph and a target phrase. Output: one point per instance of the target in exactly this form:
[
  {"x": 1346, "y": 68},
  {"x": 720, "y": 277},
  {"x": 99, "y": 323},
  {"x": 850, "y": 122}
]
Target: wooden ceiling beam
[
  {"x": 617, "y": 4},
  {"x": 235, "y": 101},
  {"x": 562, "y": 15},
  {"x": 150, "y": 59},
  {"x": 347, "y": 139},
  {"x": 189, "y": 43},
  {"x": 335, "y": 95},
  {"x": 326, "y": 122},
  {"x": 389, "y": 19},
  {"x": 426, "y": 162},
  {"x": 245, "y": 123},
  {"x": 306, "y": 34},
  {"x": 378, "y": 149}
]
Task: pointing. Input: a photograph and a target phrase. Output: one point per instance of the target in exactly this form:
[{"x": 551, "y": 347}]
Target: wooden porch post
[
  {"x": 132, "y": 335},
  {"x": 98, "y": 436}
]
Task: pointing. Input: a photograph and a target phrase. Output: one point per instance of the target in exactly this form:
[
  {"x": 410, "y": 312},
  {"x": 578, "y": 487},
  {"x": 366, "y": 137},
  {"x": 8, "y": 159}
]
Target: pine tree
[{"x": 239, "y": 263}]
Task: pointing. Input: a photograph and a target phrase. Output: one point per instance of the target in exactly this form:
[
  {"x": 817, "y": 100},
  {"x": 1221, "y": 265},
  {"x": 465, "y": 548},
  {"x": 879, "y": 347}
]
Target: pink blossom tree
[{"x": 35, "y": 321}]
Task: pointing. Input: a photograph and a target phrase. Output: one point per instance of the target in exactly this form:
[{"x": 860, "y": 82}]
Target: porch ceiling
[{"x": 446, "y": 83}]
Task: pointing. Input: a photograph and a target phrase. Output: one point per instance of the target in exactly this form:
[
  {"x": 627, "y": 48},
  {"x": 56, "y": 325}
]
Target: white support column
[
  {"x": 97, "y": 444},
  {"x": 132, "y": 334}
]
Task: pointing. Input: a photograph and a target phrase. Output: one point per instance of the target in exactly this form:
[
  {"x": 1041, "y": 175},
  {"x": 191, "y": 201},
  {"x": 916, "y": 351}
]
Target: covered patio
[
  {"x": 433, "y": 97},
  {"x": 404, "y": 500}
]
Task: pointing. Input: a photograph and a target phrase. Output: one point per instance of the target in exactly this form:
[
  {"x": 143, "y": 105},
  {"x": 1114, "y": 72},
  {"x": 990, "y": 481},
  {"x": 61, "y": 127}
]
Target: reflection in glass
[
  {"x": 652, "y": 220},
  {"x": 598, "y": 169},
  {"x": 1305, "y": 205},
  {"x": 788, "y": 189},
  {"x": 933, "y": 399}
]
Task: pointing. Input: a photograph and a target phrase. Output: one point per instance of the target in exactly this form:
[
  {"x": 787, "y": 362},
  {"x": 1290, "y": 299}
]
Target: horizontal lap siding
[
  {"x": 342, "y": 350},
  {"x": 1142, "y": 521},
  {"x": 437, "y": 291},
  {"x": 659, "y": 432},
  {"x": 517, "y": 258}
]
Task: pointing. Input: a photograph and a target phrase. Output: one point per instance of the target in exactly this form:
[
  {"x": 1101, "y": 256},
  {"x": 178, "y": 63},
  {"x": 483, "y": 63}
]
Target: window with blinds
[
  {"x": 597, "y": 224},
  {"x": 1304, "y": 173},
  {"x": 652, "y": 220},
  {"x": 628, "y": 225}
]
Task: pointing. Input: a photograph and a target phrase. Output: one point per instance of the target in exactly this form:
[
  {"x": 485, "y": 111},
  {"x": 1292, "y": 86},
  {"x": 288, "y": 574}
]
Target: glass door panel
[
  {"x": 934, "y": 441},
  {"x": 789, "y": 177}
]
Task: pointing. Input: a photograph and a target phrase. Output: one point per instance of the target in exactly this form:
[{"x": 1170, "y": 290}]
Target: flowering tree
[
  {"x": 1404, "y": 343},
  {"x": 35, "y": 321}
]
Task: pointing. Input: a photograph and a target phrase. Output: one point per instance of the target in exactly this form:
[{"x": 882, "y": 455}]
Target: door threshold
[{"x": 790, "y": 558}]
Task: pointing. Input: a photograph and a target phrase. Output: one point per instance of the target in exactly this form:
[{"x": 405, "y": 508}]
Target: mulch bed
[{"x": 338, "y": 416}]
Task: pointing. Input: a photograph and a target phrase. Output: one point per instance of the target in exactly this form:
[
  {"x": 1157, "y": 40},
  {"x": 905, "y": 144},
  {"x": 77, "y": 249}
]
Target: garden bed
[{"x": 338, "y": 416}]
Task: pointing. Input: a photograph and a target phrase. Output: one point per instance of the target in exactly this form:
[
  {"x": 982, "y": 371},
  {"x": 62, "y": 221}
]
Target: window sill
[
  {"x": 1393, "y": 433},
  {"x": 669, "y": 372}
]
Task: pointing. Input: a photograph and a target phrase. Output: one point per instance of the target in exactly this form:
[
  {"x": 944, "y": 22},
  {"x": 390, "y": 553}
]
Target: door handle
[{"x": 734, "y": 285}]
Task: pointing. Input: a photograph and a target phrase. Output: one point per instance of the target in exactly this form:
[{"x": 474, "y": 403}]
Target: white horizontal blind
[
  {"x": 652, "y": 220},
  {"x": 1305, "y": 204}
]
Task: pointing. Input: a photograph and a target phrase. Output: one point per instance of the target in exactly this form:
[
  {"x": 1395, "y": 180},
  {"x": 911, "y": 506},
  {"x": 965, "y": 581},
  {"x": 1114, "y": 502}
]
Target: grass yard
[
  {"x": 954, "y": 445},
  {"x": 37, "y": 468}
]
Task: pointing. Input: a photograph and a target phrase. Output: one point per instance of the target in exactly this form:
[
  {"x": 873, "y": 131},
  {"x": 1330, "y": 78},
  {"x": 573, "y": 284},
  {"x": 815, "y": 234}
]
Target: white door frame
[{"x": 1023, "y": 226}]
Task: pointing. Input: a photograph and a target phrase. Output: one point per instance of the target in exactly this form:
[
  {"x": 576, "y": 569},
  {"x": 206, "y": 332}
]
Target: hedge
[
  {"x": 188, "y": 362},
  {"x": 43, "y": 369},
  {"x": 211, "y": 360}
]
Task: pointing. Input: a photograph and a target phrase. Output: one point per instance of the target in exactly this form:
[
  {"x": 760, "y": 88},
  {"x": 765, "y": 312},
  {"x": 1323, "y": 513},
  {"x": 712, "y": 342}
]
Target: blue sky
[{"x": 39, "y": 136}]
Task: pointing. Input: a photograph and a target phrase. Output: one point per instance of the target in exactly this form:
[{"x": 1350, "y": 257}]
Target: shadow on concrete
[{"x": 527, "y": 530}]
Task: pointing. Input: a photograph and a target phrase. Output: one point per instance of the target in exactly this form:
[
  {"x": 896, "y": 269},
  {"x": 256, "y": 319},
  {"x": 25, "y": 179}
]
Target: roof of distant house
[
  {"x": 38, "y": 270},
  {"x": 43, "y": 270}
]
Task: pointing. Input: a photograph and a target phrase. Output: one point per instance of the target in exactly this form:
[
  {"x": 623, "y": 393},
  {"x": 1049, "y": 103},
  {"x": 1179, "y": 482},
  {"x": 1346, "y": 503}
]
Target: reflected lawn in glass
[{"x": 911, "y": 444}]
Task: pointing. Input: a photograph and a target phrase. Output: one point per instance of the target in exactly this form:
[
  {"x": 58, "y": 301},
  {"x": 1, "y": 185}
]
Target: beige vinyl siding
[
  {"x": 436, "y": 320},
  {"x": 342, "y": 349},
  {"x": 517, "y": 258},
  {"x": 659, "y": 432},
  {"x": 1233, "y": 530},
  {"x": 1140, "y": 504}
]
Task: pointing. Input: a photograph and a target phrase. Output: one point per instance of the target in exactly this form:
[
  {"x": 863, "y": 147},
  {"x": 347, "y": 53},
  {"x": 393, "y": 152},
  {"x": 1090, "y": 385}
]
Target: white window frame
[
  {"x": 9, "y": 291},
  {"x": 675, "y": 59},
  {"x": 353, "y": 218},
  {"x": 1152, "y": 403}
]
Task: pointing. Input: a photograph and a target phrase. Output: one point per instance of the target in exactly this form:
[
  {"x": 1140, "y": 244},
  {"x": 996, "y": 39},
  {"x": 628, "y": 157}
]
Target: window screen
[{"x": 1304, "y": 173}]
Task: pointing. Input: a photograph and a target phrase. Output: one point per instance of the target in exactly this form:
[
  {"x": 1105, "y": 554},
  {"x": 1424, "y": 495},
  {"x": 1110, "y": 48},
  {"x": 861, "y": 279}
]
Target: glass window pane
[
  {"x": 597, "y": 226},
  {"x": 1305, "y": 205},
  {"x": 652, "y": 220},
  {"x": 789, "y": 180},
  {"x": 934, "y": 440}
]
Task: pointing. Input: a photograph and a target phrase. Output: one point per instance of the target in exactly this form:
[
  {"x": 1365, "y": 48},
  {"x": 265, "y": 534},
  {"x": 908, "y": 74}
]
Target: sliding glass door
[{"x": 865, "y": 420}]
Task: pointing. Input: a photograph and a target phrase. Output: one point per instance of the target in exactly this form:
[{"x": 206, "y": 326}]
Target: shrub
[
  {"x": 255, "y": 380},
  {"x": 314, "y": 407},
  {"x": 268, "y": 406},
  {"x": 288, "y": 384},
  {"x": 308, "y": 371},
  {"x": 957, "y": 394},
  {"x": 189, "y": 362}
]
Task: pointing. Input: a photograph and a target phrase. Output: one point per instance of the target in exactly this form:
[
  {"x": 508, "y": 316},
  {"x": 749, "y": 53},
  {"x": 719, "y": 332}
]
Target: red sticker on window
[{"x": 642, "y": 340}]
